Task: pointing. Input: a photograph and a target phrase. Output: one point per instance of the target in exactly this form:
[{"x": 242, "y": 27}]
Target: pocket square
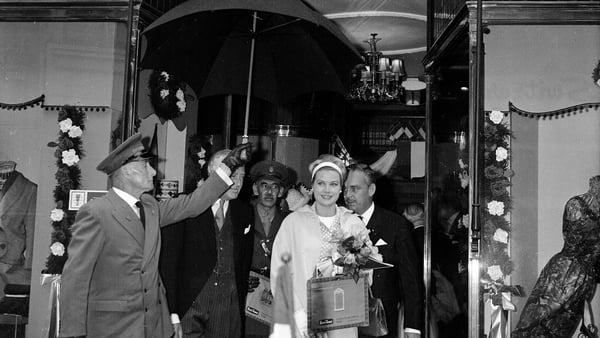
[
  {"x": 247, "y": 230},
  {"x": 380, "y": 242}
]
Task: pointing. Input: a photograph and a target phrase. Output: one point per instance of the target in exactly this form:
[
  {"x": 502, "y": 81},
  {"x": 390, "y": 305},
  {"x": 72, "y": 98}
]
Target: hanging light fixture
[{"x": 379, "y": 79}]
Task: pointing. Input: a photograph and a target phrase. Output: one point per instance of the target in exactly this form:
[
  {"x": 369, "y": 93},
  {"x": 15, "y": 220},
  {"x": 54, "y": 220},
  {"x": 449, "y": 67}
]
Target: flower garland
[
  {"x": 68, "y": 177},
  {"x": 167, "y": 95},
  {"x": 596, "y": 74},
  {"x": 497, "y": 201}
]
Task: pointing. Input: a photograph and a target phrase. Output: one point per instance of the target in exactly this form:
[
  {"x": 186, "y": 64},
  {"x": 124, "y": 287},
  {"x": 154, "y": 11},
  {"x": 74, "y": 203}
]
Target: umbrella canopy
[{"x": 208, "y": 43}]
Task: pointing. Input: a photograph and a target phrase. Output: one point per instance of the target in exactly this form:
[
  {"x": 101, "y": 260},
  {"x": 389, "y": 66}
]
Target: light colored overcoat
[{"x": 110, "y": 283}]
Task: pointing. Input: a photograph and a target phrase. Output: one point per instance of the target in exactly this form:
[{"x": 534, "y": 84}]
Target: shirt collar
[
  {"x": 366, "y": 216},
  {"x": 127, "y": 197},
  {"x": 215, "y": 206}
]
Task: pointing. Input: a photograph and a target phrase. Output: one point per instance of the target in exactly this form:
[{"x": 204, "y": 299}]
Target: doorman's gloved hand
[{"x": 238, "y": 156}]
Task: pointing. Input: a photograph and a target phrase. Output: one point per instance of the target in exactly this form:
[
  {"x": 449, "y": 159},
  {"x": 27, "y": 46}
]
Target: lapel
[
  {"x": 375, "y": 224},
  {"x": 125, "y": 217},
  {"x": 151, "y": 230},
  {"x": 233, "y": 217},
  {"x": 12, "y": 193}
]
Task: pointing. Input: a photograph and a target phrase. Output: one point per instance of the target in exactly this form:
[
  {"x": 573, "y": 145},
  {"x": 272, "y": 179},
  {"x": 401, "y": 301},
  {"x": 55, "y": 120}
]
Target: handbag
[{"x": 377, "y": 323}]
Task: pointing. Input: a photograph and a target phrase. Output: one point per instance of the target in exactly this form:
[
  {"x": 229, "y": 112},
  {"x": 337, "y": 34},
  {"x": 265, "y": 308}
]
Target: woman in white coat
[{"x": 306, "y": 235}]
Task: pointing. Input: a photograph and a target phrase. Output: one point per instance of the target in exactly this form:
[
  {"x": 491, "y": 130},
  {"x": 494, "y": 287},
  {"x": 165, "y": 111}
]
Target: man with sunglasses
[{"x": 110, "y": 284}]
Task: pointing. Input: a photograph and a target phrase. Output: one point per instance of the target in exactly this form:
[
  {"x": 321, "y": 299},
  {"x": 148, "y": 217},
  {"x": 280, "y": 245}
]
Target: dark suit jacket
[
  {"x": 402, "y": 283},
  {"x": 190, "y": 253}
]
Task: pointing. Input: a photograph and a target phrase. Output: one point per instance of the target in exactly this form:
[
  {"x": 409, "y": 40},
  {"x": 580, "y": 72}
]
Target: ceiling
[{"x": 401, "y": 24}]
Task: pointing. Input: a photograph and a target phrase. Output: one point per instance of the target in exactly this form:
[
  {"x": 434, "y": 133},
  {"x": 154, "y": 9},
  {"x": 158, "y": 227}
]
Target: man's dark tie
[{"x": 142, "y": 214}]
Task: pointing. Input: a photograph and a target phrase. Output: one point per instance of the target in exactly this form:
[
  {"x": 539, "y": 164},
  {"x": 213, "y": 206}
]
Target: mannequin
[
  {"x": 556, "y": 303},
  {"x": 17, "y": 216},
  {"x": 6, "y": 168}
]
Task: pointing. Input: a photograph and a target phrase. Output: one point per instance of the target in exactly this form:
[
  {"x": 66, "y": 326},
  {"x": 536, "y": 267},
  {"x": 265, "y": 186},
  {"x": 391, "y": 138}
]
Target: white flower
[
  {"x": 75, "y": 131},
  {"x": 181, "y": 105},
  {"x": 462, "y": 164},
  {"x": 56, "y": 215},
  {"x": 179, "y": 95},
  {"x": 496, "y": 208},
  {"x": 495, "y": 272},
  {"x": 57, "y": 249},
  {"x": 501, "y": 154},
  {"x": 349, "y": 259},
  {"x": 465, "y": 220},
  {"x": 69, "y": 157},
  {"x": 165, "y": 75},
  {"x": 65, "y": 125},
  {"x": 164, "y": 93},
  {"x": 496, "y": 116},
  {"x": 501, "y": 236},
  {"x": 598, "y": 82}
]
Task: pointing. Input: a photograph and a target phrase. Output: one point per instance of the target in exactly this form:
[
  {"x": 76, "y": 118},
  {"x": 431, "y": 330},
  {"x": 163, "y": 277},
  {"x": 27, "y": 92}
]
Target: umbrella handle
[
  {"x": 249, "y": 90},
  {"x": 244, "y": 154}
]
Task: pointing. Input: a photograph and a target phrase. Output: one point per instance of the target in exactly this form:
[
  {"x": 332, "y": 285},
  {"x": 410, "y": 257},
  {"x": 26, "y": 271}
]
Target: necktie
[
  {"x": 142, "y": 214},
  {"x": 220, "y": 215}
]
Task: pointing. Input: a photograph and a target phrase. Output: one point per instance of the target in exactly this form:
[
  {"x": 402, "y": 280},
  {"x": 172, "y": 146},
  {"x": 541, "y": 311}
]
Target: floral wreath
[
  {"x": 68, "y": 152},
  {"x": 497, "y": 201},
  {"x": 596, "y": 74},
  {"x": 497, "y": 174},
  {"x": 167, "y": 95}
]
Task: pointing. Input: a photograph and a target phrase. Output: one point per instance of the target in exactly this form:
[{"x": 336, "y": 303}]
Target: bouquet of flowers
[{"x": 356, "y": 252}]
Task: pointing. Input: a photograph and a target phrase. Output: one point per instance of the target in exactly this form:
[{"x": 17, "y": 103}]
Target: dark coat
[
  {"x": 190, "y": 253},
  {"x": 402, "y": 283}
]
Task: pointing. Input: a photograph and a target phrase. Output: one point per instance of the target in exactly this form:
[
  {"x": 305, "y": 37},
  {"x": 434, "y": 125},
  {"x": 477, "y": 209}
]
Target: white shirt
[
  {"x": 215, "y": 206},
  {"x": 129, "y": 199},
  {"x": 366, "y": 216}
]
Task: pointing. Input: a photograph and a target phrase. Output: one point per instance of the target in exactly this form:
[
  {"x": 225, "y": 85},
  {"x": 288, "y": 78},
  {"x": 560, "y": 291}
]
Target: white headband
[{"x": 326, "y": 164}]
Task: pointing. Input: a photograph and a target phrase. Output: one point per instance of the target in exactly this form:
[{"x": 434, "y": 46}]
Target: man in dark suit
[
  {"x": 392, "y": 236},
  {"x": 205, "y": 264},
  {"x": 268, "y": 177},
  {"x": 110, "y": 282},
  {"x": 449, "y": 256}
]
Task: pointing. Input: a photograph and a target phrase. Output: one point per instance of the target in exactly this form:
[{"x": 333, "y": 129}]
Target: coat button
[
  {"x": 146, "y": 310},
  {"x": 145, "y": 290}
]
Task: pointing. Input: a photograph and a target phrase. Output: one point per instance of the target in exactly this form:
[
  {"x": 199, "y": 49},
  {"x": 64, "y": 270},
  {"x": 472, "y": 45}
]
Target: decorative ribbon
[
  {"x": 499, "y": 295},
  {"x": 23, "y": 105},
  {"x": 498, "y": 322},
  {"x": 51, "y": 325},
  {"x": 554, "y": 113}
]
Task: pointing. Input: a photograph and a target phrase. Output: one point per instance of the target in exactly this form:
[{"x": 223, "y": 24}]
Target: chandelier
[{"x": 380, "y": 79}]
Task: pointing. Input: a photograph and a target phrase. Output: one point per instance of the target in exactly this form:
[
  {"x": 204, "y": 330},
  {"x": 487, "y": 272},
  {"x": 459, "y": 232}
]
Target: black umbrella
[{"x": 271, "y": 49}]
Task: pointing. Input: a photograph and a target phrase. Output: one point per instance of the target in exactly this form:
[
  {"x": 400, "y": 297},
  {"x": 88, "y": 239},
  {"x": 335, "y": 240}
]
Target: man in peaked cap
[
  {"x": 268, "y": 179},
  {"x": 110, "y": 282}
]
